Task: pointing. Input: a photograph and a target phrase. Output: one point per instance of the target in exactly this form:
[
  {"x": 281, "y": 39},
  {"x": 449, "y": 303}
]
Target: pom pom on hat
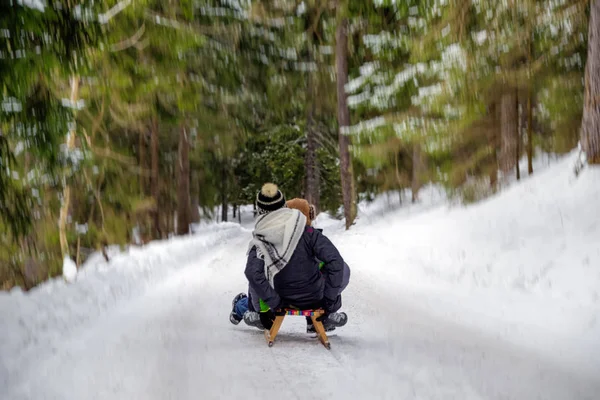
[{"x": 269, "y": 190}]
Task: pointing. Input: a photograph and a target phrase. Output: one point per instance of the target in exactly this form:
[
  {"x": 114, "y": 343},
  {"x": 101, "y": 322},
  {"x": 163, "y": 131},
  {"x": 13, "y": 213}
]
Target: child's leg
[
  {"x": 239, "y": 303},
  {"x": 241, "y": 306}
]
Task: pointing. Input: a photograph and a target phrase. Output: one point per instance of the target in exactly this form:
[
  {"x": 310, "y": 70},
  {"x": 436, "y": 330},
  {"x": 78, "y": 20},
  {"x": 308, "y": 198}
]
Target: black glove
[
  {"x": 331, "y": 306},
  {"x": 267, "y": 318}
]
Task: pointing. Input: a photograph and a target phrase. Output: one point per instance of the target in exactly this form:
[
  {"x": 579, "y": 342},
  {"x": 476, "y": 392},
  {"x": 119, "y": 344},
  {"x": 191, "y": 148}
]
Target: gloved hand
[
  {"x": 267, "y": 318},
  {"x": 331, "y": 306}
]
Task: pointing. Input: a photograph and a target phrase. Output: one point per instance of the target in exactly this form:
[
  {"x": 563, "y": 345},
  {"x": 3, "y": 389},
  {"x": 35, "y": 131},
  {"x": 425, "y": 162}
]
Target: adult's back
[{"x": 301, "y": 283}]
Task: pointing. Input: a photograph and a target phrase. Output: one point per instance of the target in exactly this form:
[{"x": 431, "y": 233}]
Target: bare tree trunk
[
  {"x": 142, "y": 161},
  {"x": 311, "y": 165},
  {"x": 416, "y": 172},
  {"x": 183, "y": 188},
  {"x": 530, "y": 133},
  {"x": 64, "y": 209},
  {"x": 157, "y": 232},
  {"x": 493, "y": 137},
  {"x": 194, "y": 193},
  {"x": 224, "y": 205},
  {"x": 590, "y": 123},
  {"x": 518, "y": 137},
  {"x": 397, "y": 172},
  {"x": 530, "y": 101},
  {"x": 508, "y": 134},
  {"x": 27, "y": 162},
  {"x": 341, "y": 56}
]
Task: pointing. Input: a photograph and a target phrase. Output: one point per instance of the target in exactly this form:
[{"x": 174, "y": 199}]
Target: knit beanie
[{"x": 269, "y": 198}]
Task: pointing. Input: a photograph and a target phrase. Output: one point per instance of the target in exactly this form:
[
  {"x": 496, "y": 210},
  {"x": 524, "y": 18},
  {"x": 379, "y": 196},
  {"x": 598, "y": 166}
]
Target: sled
[{"x": 313, "y": 314}]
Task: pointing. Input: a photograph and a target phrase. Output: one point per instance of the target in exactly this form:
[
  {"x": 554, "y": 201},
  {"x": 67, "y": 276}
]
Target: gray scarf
[{"x": 275, "y": 237}]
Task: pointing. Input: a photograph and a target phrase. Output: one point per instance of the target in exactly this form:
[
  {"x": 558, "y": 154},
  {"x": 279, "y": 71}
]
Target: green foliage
[
  {"x": 242, "y": 79},
  {"x": 275, "y": 156},
  {"x": 331, "y": 187}
]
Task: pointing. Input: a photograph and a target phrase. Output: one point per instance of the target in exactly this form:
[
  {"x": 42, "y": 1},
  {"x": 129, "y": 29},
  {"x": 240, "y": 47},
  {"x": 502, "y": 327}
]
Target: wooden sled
[{"x": 313, "y": 314}]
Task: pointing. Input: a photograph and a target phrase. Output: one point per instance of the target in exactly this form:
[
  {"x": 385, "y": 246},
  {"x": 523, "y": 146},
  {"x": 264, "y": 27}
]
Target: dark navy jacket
[{"x": 300, "y": 283}]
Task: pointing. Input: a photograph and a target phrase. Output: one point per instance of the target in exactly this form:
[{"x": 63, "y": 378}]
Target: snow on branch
[
  {"x": 132, "y": 41},
  {"x": 366, "y": 71},
  {"x": 36, "y": 4},
  {"x": 11, "y": 105},
  {"x": 362, "y": 126},
  {"x": 107, "y": 16}
]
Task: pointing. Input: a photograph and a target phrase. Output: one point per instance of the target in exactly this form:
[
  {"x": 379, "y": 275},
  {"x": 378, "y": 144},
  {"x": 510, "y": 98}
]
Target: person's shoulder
[{"x": 312, "y": 231}]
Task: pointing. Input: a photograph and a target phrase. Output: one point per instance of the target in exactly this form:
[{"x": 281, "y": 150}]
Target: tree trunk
[
  {"x": 508, "y": 134},
  {"x": 590, "y": 123},
  {"x": 530, "y": 100},
  {"x": 518, "y": 137},
  {"x": 494, "y": 134},
  {"x": 416, "y": 172},
  {"x": 530, "y": 133},
  {"x": 195, "y": 196},
  {"x": 310, "y": 161},
  {"x": 224, "y": 205},
  {"x": 64, "y": 209},
  {"x": 184, "y": 214},
  {"x": 157, "y": 232},
  {"x": 27, "y": 162},
  {"x": 341, "y": 56},
  {"x": 142, "y": 162}
]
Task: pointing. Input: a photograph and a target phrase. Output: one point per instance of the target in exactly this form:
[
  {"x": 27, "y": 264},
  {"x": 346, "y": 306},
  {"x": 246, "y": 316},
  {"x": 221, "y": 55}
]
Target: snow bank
[
  {"x": 39, "y": 319},
  {"x": 69, "y": 270},
  {"x": 522, "y": 266},
  {"x": 539, "y": 236}
]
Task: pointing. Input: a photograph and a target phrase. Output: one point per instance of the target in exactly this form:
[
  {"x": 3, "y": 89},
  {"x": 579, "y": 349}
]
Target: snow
[
  {"x": 35, "y": 4},
  {"x": 117, "y": 8},
  {"x": 75, "y": 105},
  {"x": 301, "y": 10},
  {"x": 366, "y": 71},
  {"x": 11, "y": 104},
  {"x": 480, "y": 37},
  {"x": 495, "y": 300},
  {"x": 69, "y": 270},
  {"x": 363, "y": 126},
  {"x": 537, "y": 237}
]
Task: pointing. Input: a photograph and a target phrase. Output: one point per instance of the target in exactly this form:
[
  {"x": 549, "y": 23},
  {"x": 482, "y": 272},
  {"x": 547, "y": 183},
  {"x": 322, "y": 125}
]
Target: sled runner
[{"x": 313, "y": 314}]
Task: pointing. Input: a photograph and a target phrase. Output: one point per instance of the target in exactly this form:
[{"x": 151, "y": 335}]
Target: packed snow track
[{"x": 175, "y": 342}]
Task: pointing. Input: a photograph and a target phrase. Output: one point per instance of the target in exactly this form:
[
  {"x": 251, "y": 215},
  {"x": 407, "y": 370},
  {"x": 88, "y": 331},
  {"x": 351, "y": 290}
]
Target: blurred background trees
[{"x": 123, "y": 122}]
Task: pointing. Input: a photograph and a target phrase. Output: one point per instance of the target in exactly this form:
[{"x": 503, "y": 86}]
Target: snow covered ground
[{"x": 498, "y": 300}]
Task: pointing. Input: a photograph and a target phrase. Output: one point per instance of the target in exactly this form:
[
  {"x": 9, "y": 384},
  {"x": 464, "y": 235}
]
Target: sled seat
[{"x": 313, "y": 314}]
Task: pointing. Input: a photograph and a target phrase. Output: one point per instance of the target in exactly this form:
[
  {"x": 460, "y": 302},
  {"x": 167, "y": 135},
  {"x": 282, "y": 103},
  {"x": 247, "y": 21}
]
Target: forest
[{"x": 127, "y": 121}]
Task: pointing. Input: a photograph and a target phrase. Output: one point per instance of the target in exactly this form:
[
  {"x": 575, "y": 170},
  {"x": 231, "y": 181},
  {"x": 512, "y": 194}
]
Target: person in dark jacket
[{"x": 283, "y": 264}]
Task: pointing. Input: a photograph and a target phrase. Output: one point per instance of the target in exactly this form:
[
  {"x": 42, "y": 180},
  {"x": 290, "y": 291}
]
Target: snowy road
[{"x": 175, "y": 342}]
